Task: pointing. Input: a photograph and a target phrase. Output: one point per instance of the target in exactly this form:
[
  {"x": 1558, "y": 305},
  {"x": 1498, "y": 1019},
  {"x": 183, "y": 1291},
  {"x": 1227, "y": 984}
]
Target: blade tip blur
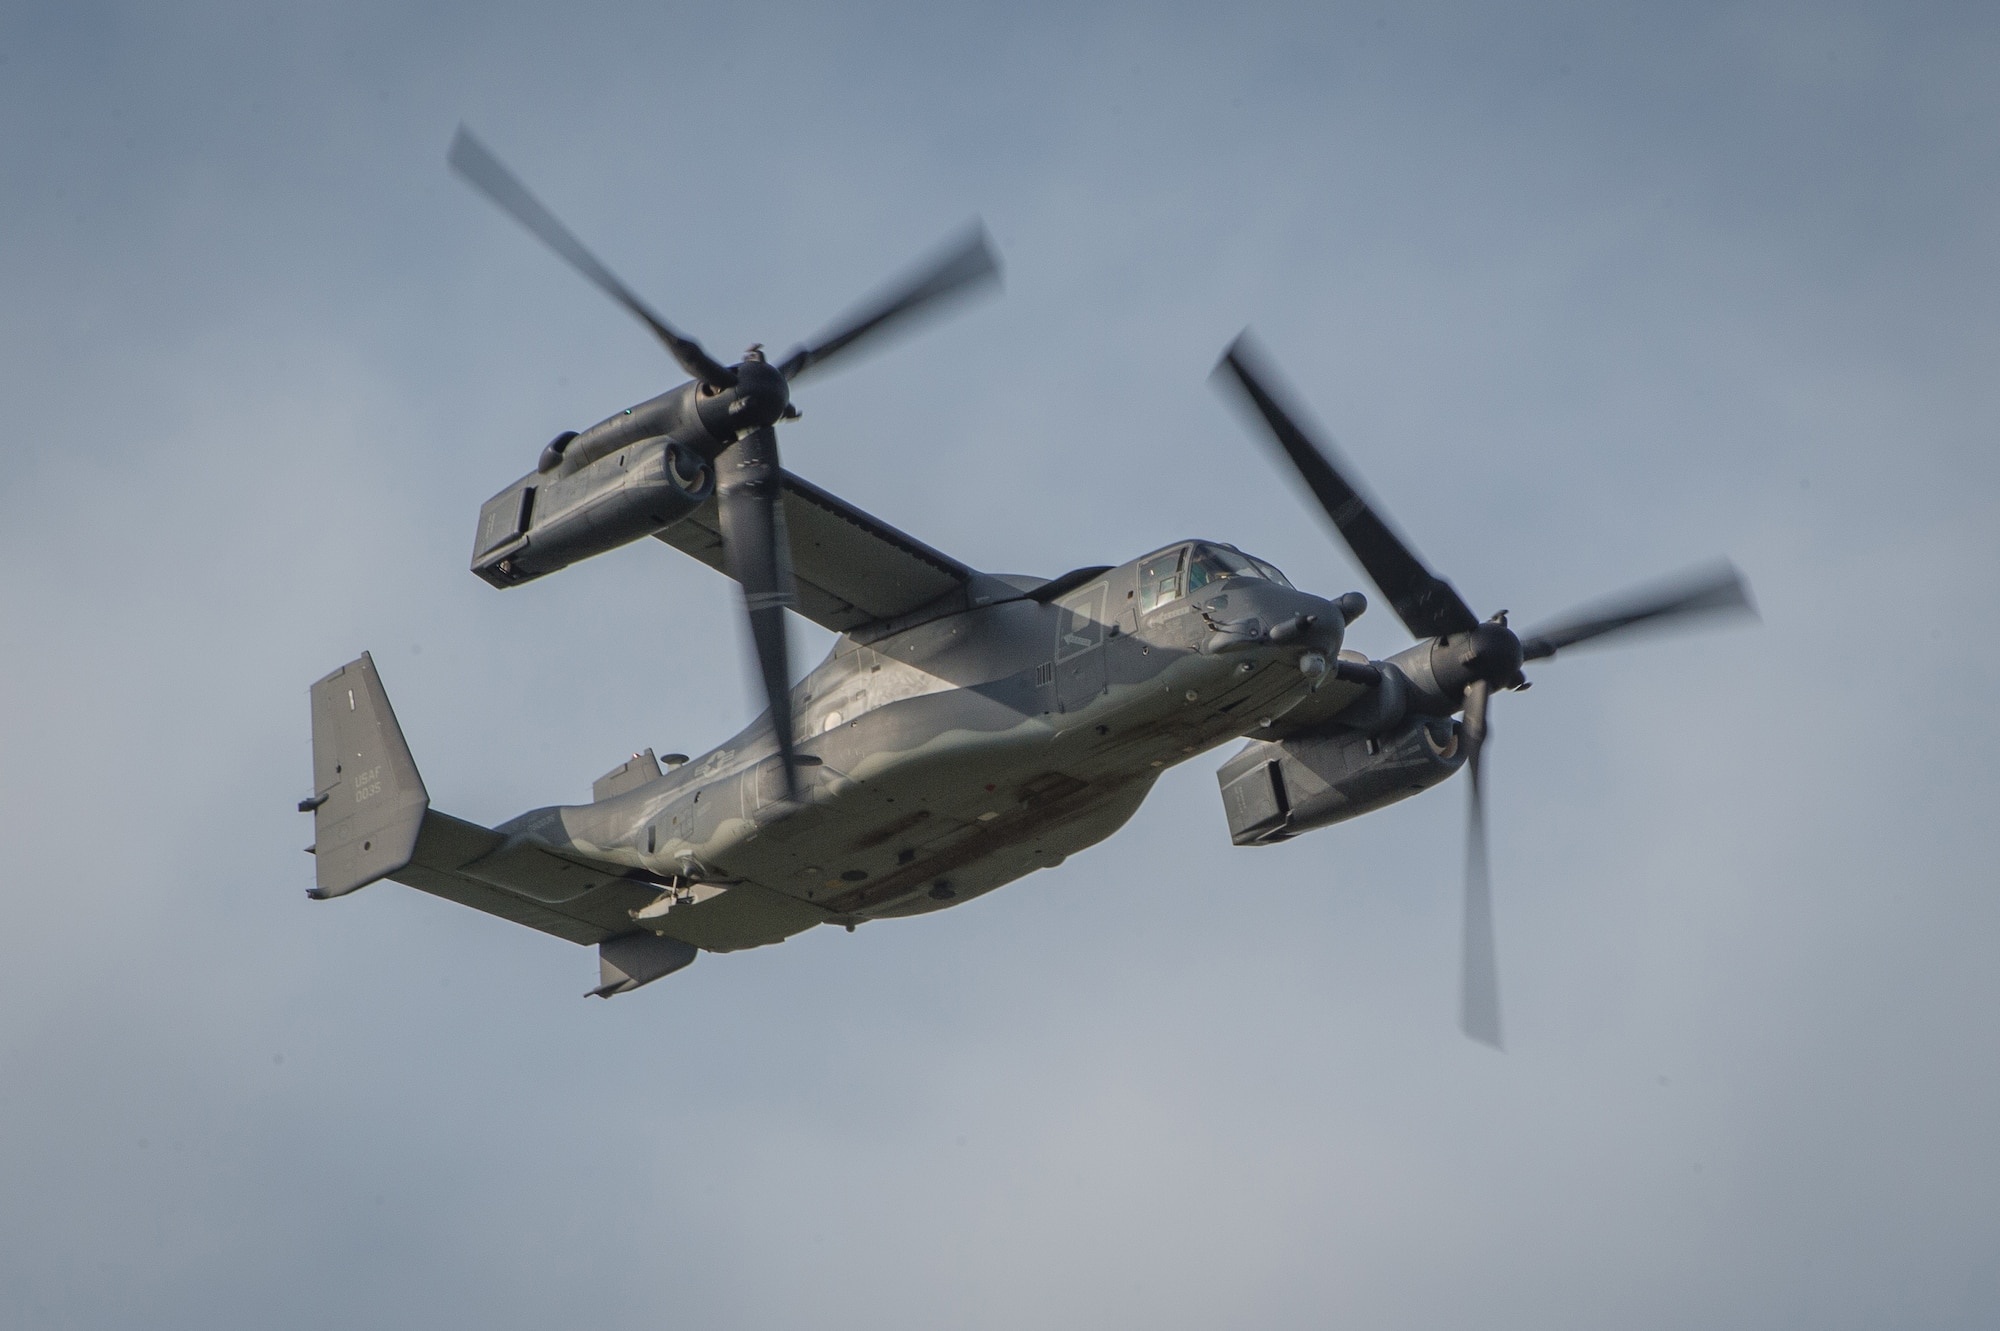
[
  {"x": 1232, "y": 373},
  {"x": 1491, "y": 1039},
  {"x": 980, "y": 237},
  {"x": 463, "y": 147},
  {"x": 1739, "y": 587},
  {"x": 1481, "y": 1024}
]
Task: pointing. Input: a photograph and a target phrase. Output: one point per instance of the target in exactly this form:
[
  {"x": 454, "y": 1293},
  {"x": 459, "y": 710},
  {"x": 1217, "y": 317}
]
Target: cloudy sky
[{"x": 1587, "y": 295}]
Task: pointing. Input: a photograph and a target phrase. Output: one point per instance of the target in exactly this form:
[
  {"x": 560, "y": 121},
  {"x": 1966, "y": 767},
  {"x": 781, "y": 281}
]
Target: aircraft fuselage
[{"x": 945, "y": 760}]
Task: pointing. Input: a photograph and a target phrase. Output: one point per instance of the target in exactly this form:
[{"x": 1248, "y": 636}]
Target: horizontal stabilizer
[{"x": 368, "y": 802}]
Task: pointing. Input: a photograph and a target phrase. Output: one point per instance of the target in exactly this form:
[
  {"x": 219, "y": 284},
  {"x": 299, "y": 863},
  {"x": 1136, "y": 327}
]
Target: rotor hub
[
  {"x": 760, "y": 397},
  {"x": 1492, "y": 652}
]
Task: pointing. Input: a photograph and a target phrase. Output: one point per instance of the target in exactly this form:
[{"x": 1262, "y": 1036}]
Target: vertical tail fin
[{"x": 368, "y": 802}]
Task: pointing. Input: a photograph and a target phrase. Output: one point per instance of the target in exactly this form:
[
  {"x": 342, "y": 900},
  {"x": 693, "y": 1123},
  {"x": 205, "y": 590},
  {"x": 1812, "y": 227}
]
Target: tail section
[
  {"x": 368, "y": 802},
  {"x": 374, "y": 820}
]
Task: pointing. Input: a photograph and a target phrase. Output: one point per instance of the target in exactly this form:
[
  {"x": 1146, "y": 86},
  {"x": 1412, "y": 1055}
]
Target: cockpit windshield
[
  {"x": 1218, "y": 563},
  {"x": 1184, "y": 570}
]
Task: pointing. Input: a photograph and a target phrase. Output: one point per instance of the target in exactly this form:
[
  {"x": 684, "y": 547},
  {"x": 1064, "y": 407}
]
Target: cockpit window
[
  {"x": 1188, "y": 569},
  {"x": 1270, "y": 571},
  {"x": 1160, "y": 579}
]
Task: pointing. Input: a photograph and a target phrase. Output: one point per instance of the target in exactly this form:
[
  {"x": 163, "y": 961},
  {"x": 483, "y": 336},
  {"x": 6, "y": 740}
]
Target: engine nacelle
[
  {"x": 1272, "y": 791},
  {"x": 552, "y": 519}
]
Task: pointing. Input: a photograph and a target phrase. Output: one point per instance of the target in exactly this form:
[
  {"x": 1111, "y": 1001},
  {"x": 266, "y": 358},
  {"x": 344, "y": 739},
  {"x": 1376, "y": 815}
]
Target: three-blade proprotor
[
  {"x": 1466, "y": 660},
  {"x": 961, "y": 268},
  {"x": 744, "y": 401},
  {"x": 1717, "y": 589},
  {"x": 469, "y": 157},
  {"x": 1426, "y": 603},
  {"x": 1479, "y": 975},
  {"x": 753, "y": 542}
]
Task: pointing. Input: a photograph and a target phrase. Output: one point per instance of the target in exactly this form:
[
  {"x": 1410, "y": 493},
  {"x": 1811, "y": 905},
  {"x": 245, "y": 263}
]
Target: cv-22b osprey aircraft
[{"x": 967, "y": 728}]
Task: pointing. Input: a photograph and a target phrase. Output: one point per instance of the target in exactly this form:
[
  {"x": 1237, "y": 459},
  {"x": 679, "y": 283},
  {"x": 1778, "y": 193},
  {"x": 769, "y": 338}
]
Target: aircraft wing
[{"x": 851, "y": 569}]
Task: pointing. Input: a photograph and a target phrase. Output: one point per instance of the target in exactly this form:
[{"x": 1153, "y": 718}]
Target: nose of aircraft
[{"x": 1249, "y": 613}]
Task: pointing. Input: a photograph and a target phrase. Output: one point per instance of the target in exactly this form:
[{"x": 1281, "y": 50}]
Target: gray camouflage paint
[
  {"x": 953, "y": 758},
  {"x": 945, "y": 759}
]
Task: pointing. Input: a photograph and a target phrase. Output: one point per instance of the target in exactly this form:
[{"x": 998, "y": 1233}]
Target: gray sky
[{"x": 1586, "y": 295}]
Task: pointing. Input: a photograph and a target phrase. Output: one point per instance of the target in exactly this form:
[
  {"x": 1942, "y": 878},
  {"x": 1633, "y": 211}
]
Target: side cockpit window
[
  {"x": 1160, "y": 580},
  {"x": 1271, "y": 572}
]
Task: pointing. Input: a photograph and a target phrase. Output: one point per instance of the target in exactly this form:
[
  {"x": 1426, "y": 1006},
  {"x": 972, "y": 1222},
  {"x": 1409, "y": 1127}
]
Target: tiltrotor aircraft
[{"x": 967, "y": 728}]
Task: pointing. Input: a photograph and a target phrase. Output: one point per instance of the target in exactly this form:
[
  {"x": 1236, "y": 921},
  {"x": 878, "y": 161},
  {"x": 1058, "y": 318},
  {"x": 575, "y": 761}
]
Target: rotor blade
[
  {"x": 756, "y": 550},
  {"x": 1425, "y": 603},
  {"x": 1479, "y": 980},
  {"x": 469, "y": 157},
  {"x": 962, "y": 266},
  {"x": 1716, "y": 590}
]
